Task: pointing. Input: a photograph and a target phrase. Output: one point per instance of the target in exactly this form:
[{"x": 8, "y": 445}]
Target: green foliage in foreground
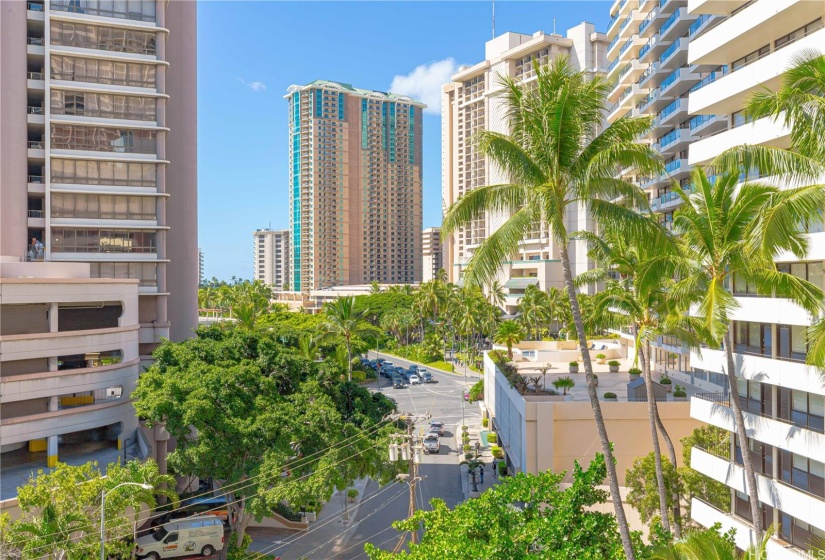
[{"x": 527, "y": 516}]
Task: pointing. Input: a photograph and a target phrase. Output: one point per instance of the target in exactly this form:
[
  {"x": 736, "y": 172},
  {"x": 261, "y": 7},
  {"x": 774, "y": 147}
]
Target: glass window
[{"x": 799, "y": 347}]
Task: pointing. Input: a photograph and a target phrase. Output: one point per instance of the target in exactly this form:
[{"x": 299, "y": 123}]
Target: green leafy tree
[
  {"x": 710, "y": 543},
  {"x": 509, "y": 333},
  {"x": 559, "y": 155},
  {"x": 52, "y": 534},
  {"x": 564, "y": 383},
  {"x": 533, "y": 309},
  {"x": 344, "y": 320},
  {"x": 696, "y": 484},
  {"x": 643, "y": 494},
  {"x": 526, "y": 516},
  {"x": 731, "y": 233}
]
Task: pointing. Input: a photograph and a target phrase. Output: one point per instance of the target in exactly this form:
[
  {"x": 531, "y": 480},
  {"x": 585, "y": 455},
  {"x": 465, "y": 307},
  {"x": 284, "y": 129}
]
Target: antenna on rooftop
[
  {"x": 494, "y": 19},
  {"x": 554, "y": 26}
]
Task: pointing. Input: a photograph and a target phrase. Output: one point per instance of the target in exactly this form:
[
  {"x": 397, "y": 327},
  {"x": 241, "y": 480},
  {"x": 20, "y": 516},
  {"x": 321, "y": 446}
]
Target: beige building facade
[
  {"x": 98, "y": 154},
  {"x": 432, "y": 254},
  {"x": 271, "y": 257},
  {"x": 354, "y": 186},
  {"x": 469, "y": 105}
]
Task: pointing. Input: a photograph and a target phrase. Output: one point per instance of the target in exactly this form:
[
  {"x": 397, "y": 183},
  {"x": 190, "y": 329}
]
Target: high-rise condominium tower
[
  {"x": 468, "y": 106},
  {"x": 98, "y": 192},
  {"x": 782, "y": 398},
  {"x": 354, "y": 186},
  {"x": 272, "y": 257},
  {"x": 432, "y": 253},
  {"x": 648, "y": 54}
]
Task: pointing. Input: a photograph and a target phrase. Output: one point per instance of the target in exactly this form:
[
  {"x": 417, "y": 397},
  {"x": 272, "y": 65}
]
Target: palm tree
[
  {"x": 564, "y": 383},
  {"x": 431, "y": 295},
  {"x": 557, "y": 305},
  {"x": 495, "y": 294},
  {"x": 509, "y": 333},
  {"x": 623, "y": 301},
  {"x": 343, "y": 319},
  {"x": 375, "y": 287},
  {"x": 533, "y": 309},
  {"x": 709, "y": 544},
  {"x": 731, "y": 234},
  {"x": 558, "y": 157},
  {"x": 52, "y": 533},
  {"x": 309, "y": 347}
]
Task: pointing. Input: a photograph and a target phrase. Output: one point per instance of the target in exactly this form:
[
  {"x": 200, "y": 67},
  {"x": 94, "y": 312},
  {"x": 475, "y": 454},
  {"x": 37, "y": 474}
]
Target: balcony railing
[
  {"x": 673, "y": 166},
  {"x": 127, "y": 115},
  {"x": 698, "y": 24},
  {"x": 35, "y": 213},
  {"x": 613, "y": 65},
  {"x": 103, "y": 181},
  {"x": 95, "y": 79},
  {"x": 669, "y": 138},
  {"x": 670, "y": 109},
  {"x": 669, "y": 21},
  {"x": 34, "y": 110},
  {"x": 97, "y": 147},
  {"x": 672, "y": 77},
  {"x": 36, "y": 41},
  {"x": 646, "y": 22},
  {"x": 35, "y": 179},
  {"x": 699, "y": 120},
  {"x": 613, "y": 21},
  {"x": 719, "y": 398},
  {"x": 709, "y": 79},
  {"x": 34, "y": 7},
  {"x": 648, "y": 99},
  {"x": 645, "y": 48},
  {"x": 109, "y": 46},
  {"x": 670, "y": 51},
  {"x": 34, "y": 75},
  {"x": 36, "y": 144},
  {"x": 613, "y": 42},
  {"x": 626, "y": 46},
  {"x": 649, "y": 71},
  {"x": 86, "y": 9}
]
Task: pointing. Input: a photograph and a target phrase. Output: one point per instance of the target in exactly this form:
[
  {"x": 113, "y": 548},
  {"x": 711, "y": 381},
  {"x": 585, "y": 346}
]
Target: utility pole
[{"x": 409, "y": 450}]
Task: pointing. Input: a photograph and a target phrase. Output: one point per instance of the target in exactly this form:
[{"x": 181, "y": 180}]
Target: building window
[
  {"x": 89, "y": 172},
  {"x": 66, "y": 240},
  {"x": 104, "y": 139},
  {"x": 140, "y": 10},
  {"x": 749, "y": 58},
  {"x": 103, "y": 105},
  {"x": 69, "y": 34}
]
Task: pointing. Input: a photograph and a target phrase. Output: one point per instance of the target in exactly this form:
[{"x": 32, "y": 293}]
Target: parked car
[
  {"x": 413, "y": 367},
  {"x": 437, "y": 427},
  {"x": 203, "y": 534},
  {"x": 432, "y": 443},
  {"x": 427, "y": 377},
  {"x": 398, "y": 383},
  {"x": 380, "y": 360},
  {"x": 414, "y": 379}
]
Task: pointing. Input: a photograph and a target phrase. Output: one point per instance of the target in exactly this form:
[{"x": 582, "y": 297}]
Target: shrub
[
  {"x": 358, "y": 376},
  {"x": 467, "y": 448},
  {"x": 485, "y": 422},
  {"x": 352, "y": 493},
  {"x": 634, "y": 371},
  {"x": 497, "y": 451},
  {"x": 492, "y": 438},
  {"x": 477, "y": 391},
  {"x": 464, "y": 428},
  {"x": 679, "y": 393},
  {"x": 613, "y": 363},
  {"x": 574, "y": 364},
  {"x": 610, "y": 395},
  {"x": 502, "y": 469},
  {"x": 600, "y": 356},
  {"x": 665, "y": 380}
]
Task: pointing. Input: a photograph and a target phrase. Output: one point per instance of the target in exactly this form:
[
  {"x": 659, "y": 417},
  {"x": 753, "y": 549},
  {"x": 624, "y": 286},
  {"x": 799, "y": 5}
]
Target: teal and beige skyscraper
[{"x": 354, "y": 186}]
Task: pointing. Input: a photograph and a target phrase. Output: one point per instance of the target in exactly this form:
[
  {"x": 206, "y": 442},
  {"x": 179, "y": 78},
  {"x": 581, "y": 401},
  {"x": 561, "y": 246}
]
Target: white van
[{"x": 193, "y": 535}]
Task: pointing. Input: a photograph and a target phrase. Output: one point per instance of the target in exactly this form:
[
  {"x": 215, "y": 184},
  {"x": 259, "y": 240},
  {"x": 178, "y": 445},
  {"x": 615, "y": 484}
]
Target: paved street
[{"x": 379, "y": 507}]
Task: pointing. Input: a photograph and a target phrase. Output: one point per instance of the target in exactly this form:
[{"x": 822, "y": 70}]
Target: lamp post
[{"x": 103, "y": 495}]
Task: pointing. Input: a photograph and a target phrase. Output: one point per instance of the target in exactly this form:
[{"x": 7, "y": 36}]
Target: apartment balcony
[
  {"x": 731, "y": 92},
  {"x": 779, "y": 495},
  {"x": 651, "y": 22},
  {"x": 750, "y": 29},
  {"x": 678, "y": 82},
  {"x": 35, "y": 11},
  {"x": 764, "y": 131},
  {"x": 676, "y": 25},
  {"x": 35, "y": 46},
  {"x": 675, "y": 141},
  {"x": 653, "y": 49},
  {"x": 665, "y": 202},
  {"x": 778, "y": 433},
  {"x": 35, "y": 81},
  {"x": 706, "y": 125},
  {"x": 675, "y": 55},
  {"x": 628, "y": 75},
  {"x": 707, "y": 515},
  {"x": 36, "y": 150},
  {"x": 718, "y": 7}
]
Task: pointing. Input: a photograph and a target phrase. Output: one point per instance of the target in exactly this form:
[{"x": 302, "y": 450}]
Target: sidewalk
[
  {"x": 490, "y": 476},
  {"x": 330, "y": 532}
]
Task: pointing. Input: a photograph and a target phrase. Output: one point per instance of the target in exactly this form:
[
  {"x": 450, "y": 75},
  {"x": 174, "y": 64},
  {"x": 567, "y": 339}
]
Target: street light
[{"x": 103, "y": 495}]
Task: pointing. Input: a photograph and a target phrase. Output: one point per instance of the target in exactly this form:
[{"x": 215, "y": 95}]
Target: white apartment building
[
  {"x": 432, "y": 253},
  {"x": 272, "y": 257},
  {"x": 469, "y": 105},
  {"x": 783, "y": 399},
  {"x": 648, "y": 55}
]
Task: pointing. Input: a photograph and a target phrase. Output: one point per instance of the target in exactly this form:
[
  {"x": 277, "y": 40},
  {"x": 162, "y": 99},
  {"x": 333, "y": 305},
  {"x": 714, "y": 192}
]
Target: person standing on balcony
[{"x": 36, "y": 249}]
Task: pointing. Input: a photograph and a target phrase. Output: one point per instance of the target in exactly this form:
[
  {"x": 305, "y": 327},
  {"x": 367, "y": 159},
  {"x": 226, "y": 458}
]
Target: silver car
[{"x": 432, "y": 443}]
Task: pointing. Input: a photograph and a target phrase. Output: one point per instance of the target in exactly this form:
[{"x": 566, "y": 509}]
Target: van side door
[{"x": 170, "y": 542}]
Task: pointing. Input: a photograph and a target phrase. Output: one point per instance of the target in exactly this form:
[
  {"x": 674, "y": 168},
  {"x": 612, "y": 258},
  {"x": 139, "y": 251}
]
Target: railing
[
  {"x": 103, "y": 215},
  {"x": 130, "y": 115},
  {"x": 709, "y": 79},
  {"x": 669, "y": 21},
  {"x": 74, "y": 8},
  {"x": 646, "y": 47},
  {"x": 670, "y": 109},
  {"x": 34, "y": 75},
  {"x": 35, "y": 179},
  {"x": 36, "y": 144},
  {"x": 646, "y": 22},
  {"x": 673, "y": 166},
  {"x": 669, "y": 138},
  {"x": 698, "y": 24},
  {"x": 92, "y": 79},
  {"x": 107, "y": 46},
  {"x": 626, "y": 69},
  {"x": 649, "y": 71},
  {"x": 33, "y": 7},
  {"x": 613, "y": 65},
  {"x": 699, "y": 120},
  {"x": 103, "y": 181},
  {"x": 613, "y": 42},
  {"x": 719, "y": 449},
  {"x": 672, "y": 77},
  {"x": 35, "y": 213},
  {"x": 627, "y": 91},
  {"x": 93, "y": 147},
  {"x": 719, "y": 398},
  {"x": 626, "y": 21},
  {"x": 36, "y": 41},
  {"x": 613, "y": 21},
  {"x": 626, "y": 46},
  {"x": 648, "y": 99},
  {"x": 670, "y": 51},
  {"x": 34, "y": 110}
]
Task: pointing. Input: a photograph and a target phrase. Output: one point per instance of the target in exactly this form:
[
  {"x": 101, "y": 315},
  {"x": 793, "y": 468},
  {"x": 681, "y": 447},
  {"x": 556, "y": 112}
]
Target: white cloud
[
  {"x": 254, "y": 86},
  {"x": 424, "y": 83}
]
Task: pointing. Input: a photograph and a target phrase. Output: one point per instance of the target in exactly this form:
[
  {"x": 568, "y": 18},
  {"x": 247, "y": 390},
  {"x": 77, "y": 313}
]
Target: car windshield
[
  {"x": 431, "y": 438},
  {"x": 160, "y": 534},
  {"x": 436, "y": 425}
]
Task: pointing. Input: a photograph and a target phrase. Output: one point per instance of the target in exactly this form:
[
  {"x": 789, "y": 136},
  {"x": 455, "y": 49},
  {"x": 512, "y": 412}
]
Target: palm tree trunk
[
  {"x": 671, "y": 453},
  {"x": 349, "y": 362},
  {"x": 644, "y": 350},
  {"x": 741, "y": 434},
  {"x": 612, "y": 477}
]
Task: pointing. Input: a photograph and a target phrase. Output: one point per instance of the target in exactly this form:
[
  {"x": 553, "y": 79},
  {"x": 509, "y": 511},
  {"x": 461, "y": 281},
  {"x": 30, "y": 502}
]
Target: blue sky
[{"x": 250, "y": 52}]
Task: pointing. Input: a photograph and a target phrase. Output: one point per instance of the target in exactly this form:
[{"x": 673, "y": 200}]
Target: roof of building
[
  {"x": 331, "y": 84},
  {"x": 521, "y": 282}
]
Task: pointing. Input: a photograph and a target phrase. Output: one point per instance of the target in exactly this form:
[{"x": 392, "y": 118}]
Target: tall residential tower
[
  {"x": 272, "y": 257},
  {"x": 432, "y": 254},
  {"x": 354, "y": 186},
  {"x": 469, "y": 105}
]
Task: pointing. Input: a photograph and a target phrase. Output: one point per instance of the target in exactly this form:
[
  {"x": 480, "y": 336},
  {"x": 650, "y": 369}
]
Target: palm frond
[{"x": 475, "y": 203}]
